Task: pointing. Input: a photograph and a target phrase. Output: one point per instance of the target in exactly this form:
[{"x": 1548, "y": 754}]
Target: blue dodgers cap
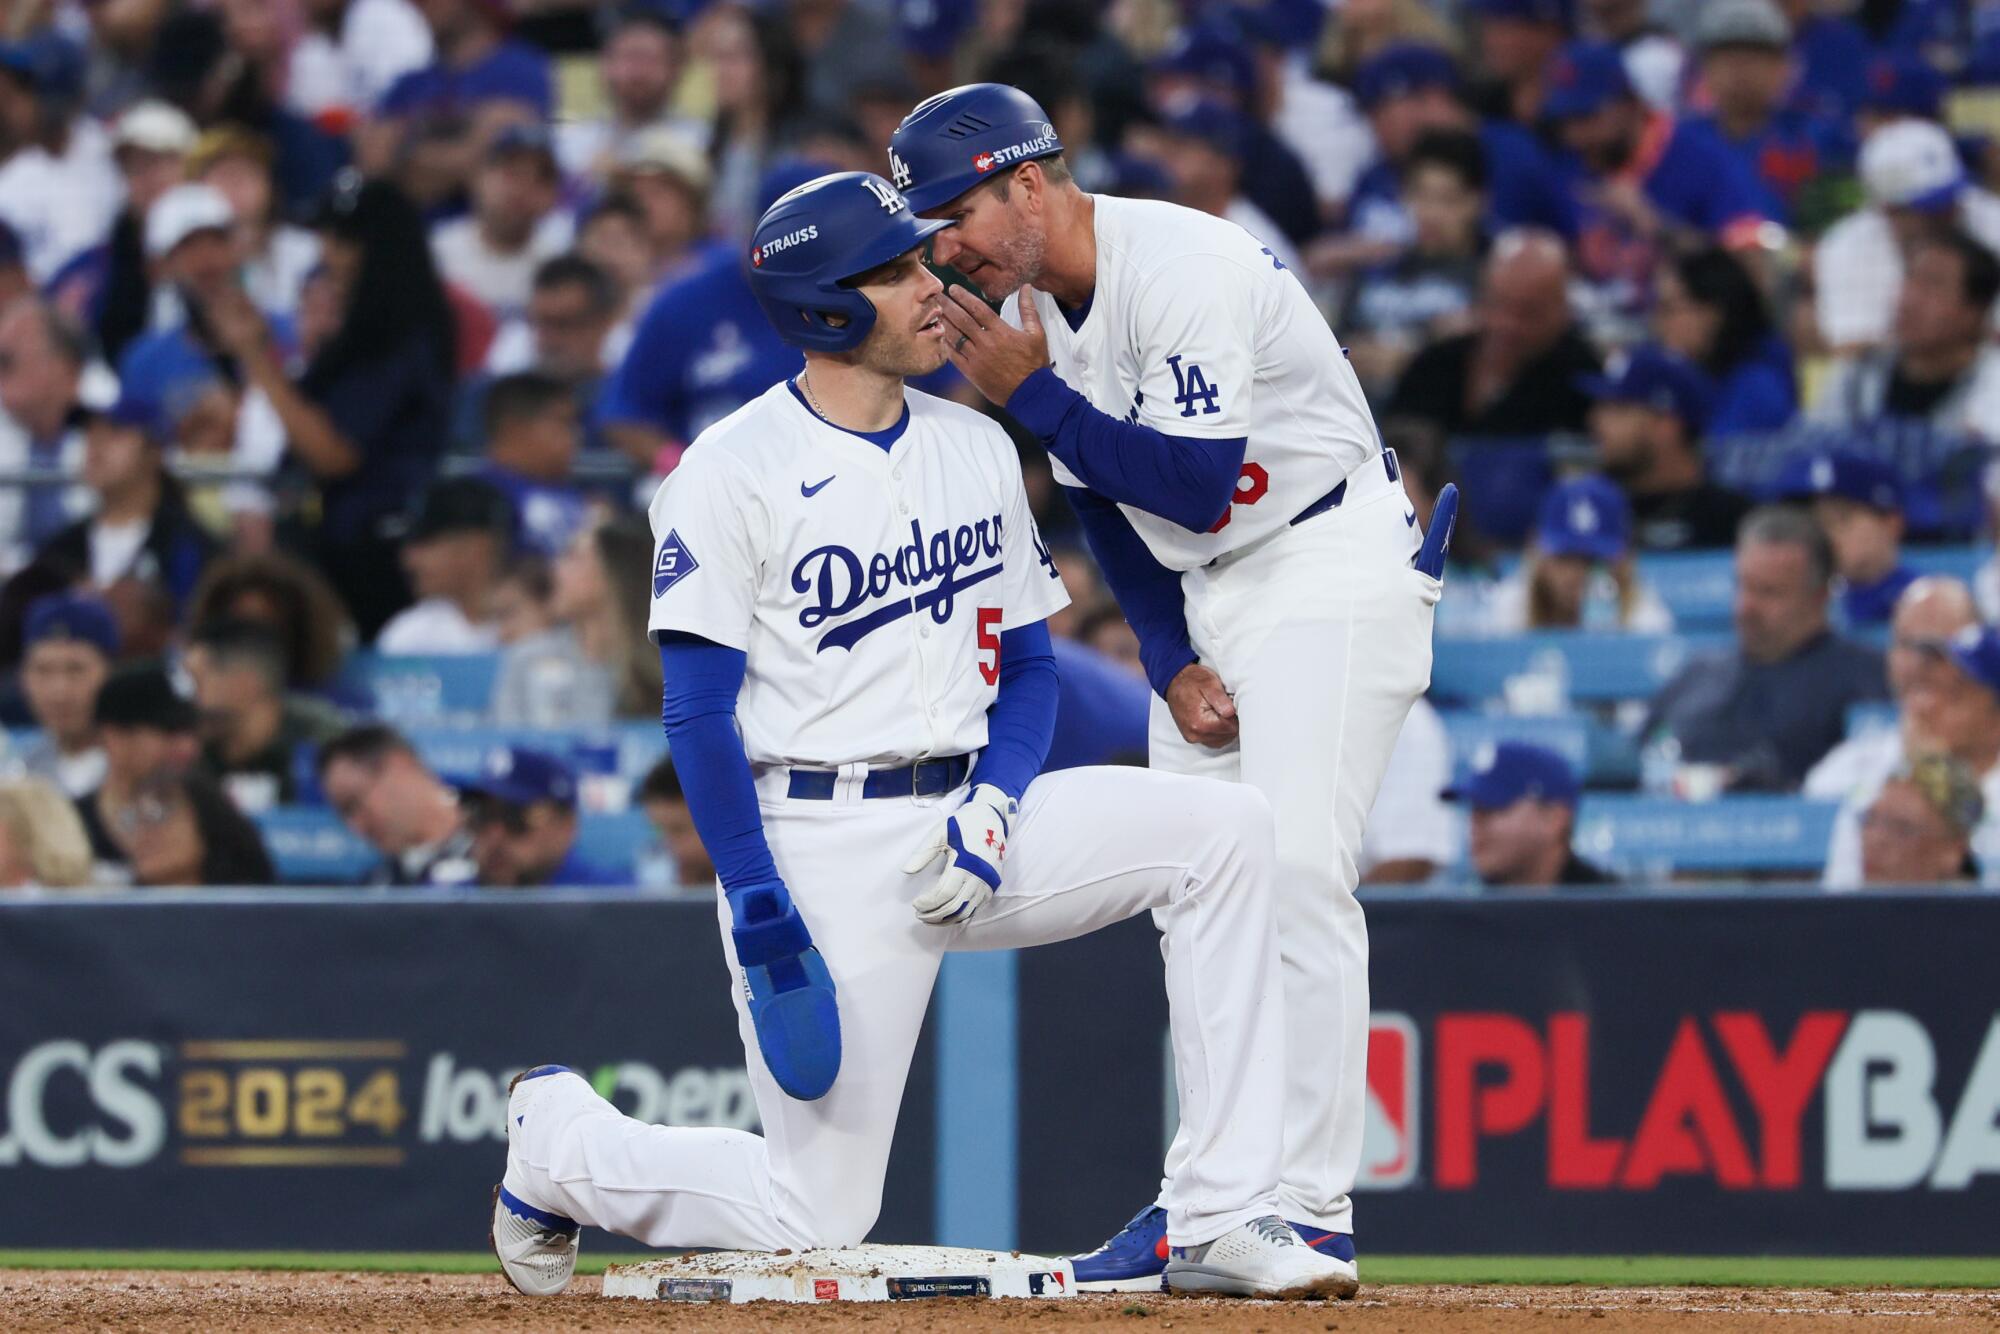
[
  {"x": 71, "y": 616},
  {"x": 1836, "y": 473},
  {"x": 141, "y": 414},
  {"x": 1585, "y": 517},
  {"x": 1583, "y": 77},
  {"x": 1402, "y": 69},
  {"x": 1975, "y": 650},
  {"x": 963, "y": 136},
  {"x": 1512, "y": 771},
  {"x": 1222, "y": 128},
  {"x": 1904, "y": 83},
  {"x": 1558, "y": 12},
  {"x": 1213, "y": 52},
  {"x": 521, "y": 777},
  {"x": 1659, "y": 379},
  {"x": 813, "y": 240}
]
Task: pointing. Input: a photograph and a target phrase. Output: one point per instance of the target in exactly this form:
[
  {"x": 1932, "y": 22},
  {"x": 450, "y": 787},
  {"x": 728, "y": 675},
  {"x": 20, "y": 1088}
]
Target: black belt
[
  {"x": 1332, "y": 499},
  {"x": 925, "y": 778}
]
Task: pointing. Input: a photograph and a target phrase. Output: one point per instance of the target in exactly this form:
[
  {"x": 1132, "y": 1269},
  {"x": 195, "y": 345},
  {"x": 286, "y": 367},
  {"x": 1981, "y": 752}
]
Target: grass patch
[{"x": 1609, "y": 1271}]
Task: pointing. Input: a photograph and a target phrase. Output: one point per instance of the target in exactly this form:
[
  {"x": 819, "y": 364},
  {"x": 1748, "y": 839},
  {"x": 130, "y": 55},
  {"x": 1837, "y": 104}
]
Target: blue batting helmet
[
  {"x": 813, "y": 240},
  {"x": 959, "y": 138}
]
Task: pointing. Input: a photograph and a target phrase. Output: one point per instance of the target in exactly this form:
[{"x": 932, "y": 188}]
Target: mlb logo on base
[{"x": 1389, "y": 1137}]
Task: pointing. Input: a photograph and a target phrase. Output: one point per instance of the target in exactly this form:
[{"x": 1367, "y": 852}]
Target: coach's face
[
  {"x": 998, "y": 241},
  {"x": 908, "y": 337}
]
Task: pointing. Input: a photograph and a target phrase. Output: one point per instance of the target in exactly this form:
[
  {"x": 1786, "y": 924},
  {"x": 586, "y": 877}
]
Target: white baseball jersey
[
  {"x": 1196, "y": 330},
  {"x": 868, "y": 587}
]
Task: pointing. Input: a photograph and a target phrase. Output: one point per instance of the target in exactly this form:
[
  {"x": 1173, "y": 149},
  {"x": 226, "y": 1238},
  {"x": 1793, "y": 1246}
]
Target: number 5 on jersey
[{"x": 989, "y": 640}]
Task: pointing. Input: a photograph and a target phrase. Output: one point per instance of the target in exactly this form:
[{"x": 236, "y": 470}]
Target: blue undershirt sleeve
[
  {"x": 1148, "y": 592},
  {"x": 1022, "y": 720},
  {"x": 1183, "y": 480},
  {"x": 698, "y": 709}
]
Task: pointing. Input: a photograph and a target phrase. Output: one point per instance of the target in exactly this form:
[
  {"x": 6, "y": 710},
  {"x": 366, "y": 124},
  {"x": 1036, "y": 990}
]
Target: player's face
[
  {"x": 908, "y": 337},
  {"x": 997, "y": 243}
]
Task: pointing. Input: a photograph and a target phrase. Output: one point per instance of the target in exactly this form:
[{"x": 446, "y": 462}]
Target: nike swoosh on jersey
[{"x": 810, "y": 491}]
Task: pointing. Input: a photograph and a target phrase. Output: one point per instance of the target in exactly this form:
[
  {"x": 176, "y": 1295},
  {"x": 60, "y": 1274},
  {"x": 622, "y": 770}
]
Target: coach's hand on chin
[
  {"x": 988, "y": 351},
  {"x": 1202, "y": 709}
]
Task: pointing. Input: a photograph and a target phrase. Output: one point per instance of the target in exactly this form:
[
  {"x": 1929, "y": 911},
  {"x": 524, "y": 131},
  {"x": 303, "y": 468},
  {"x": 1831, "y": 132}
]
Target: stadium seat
[
  {"x": 1750, "y": 834},
  {"x": 417, "y": 690},
  {"x": 1543, "y": 673},
  {"x": 1699, "y": 587},
  {"x": 310, "y": 846}
]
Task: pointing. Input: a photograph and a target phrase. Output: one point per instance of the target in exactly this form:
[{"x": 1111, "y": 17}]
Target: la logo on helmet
[
  {"x": 899, "y": 170},
  {"x": 890, "y": 201}
]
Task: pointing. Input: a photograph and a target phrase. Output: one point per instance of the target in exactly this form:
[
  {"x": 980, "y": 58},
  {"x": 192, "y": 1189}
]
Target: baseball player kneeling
[{"x": 850, "y": 601}]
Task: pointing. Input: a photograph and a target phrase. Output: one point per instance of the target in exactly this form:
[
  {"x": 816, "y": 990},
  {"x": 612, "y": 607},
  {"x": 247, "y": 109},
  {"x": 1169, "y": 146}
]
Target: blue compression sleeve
[
  {"x": 1022, "y": 721},
  {"x": 699, "y": 711},
  {"x": 1148, "y": 592},
  {"x": 1185, "y": 481}
]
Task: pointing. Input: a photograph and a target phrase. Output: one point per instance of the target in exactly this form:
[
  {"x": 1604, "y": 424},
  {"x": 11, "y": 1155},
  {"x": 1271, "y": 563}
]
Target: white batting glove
[{"x": 972, "y": 842}]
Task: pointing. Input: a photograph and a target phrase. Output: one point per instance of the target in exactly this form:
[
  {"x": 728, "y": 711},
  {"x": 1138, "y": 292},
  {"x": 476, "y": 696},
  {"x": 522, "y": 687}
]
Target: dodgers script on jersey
[
  {"x": 1196, "y": 330},
  {"x": 869, "y": 588}
]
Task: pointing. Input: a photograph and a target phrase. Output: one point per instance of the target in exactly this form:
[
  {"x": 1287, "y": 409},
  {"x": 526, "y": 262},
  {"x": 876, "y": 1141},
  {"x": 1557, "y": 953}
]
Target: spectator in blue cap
[
  {"x": 1521, "y": 801},
  {"x": 1211, "y": 61},
  {"x": 1747, "y": 71},
  {"x": 1579, "y": 575},
  {"x": 1204, "y": 154},
  {"x": 1642, "y": 177},
  {"x": 1945, "y": 670},
  {"x": 1652, "y": 408},
  {"x": 680, "y": 376},
  {"x": 521, "y": 807},
  {"x": 58, "y": 186},
  {"x": 70, "y": 641},
  {"x": 142, "y": 530},
  {"x": 514, "y": 227},
  {"x": 1426, "y": 292},
  {"x": 1516, "y": 39},
  {"x": 434, "y": 124},
  {"x": 1942, "y": 368},
  {"x": 1763, "y": 712},
  {"x": 1901, "y": 86},
  {"x": 1654, "y": 59},
  {"x": 1832, "y": 53},
  {"x": 1858, "y": 503},
  {"x": 1708, "y": 308},
  {"x": 1410, "y": 91}
]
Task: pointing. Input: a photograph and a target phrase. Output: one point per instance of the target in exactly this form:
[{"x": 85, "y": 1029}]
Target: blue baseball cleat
[
  {"x": 792, "y": 1003},
  {"x": 1133, "y": 1261}
]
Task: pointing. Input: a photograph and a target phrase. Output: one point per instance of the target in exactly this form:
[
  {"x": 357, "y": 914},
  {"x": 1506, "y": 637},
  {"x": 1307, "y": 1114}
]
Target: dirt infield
[{"x": 231, "y": 1301}]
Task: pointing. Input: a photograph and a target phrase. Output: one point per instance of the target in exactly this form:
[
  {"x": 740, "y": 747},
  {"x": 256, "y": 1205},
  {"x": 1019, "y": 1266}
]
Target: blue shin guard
[{"x": 792, "y": 1004}]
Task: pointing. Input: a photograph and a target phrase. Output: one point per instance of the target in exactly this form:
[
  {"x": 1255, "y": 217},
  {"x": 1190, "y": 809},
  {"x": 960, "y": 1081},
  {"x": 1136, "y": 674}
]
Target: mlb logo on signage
[{"x": 1389, "y": 1135}]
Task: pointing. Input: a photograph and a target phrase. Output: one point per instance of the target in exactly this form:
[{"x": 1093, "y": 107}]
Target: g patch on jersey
[{"x": 674, "y": 564}]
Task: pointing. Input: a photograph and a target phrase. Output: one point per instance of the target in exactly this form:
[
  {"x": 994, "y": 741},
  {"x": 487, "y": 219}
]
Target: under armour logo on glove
[{"x": 972, "y": 842}]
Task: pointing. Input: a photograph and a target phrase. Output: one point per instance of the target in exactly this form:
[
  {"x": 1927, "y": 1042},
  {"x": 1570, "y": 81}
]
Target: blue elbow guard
[{"x": 792, "y": 1003}]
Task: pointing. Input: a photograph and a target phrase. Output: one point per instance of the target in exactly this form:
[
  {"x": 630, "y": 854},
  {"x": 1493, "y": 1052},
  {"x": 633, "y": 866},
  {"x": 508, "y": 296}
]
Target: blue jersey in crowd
[
  {"x": 1832, "y": 56},
  {"x": 1759, "y": 393},
  {"x": 1689, "y": 174},
  {"x": 1793, "y": 148},
  {"x": 702, "y": 350},
  {"x": 546, "y": 516}
]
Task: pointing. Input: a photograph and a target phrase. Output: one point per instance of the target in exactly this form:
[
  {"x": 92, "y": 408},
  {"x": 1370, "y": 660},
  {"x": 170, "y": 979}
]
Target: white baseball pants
[
  {"x": 1092, "y": 847},
  {"x": 1322, "y": 633}
]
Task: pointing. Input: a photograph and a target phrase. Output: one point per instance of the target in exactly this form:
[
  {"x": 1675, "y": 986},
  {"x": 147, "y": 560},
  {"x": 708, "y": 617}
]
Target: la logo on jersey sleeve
[{"x": 674, "y": 564}]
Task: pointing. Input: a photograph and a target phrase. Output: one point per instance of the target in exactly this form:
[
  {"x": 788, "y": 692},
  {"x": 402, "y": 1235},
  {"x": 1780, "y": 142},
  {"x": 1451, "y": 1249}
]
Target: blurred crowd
[{"x": 339, "y": 328}]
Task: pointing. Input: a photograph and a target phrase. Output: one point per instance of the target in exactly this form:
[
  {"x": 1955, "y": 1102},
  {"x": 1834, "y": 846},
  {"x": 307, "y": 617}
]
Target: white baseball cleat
[
  {"x": 536, "y": 1248},
  {"x": 1262, "y": 1258}
]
